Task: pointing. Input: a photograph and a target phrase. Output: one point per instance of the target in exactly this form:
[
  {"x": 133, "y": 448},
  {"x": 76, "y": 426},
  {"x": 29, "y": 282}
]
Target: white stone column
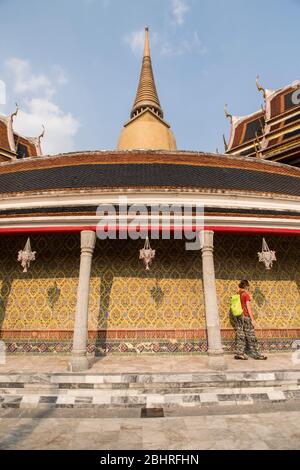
[
  {"x": 79, "y": 361},
  {"x": 215, "y": 348}
]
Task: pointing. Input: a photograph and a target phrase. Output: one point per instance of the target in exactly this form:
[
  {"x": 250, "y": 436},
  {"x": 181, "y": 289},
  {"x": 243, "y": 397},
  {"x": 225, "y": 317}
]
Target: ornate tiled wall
[
  {"x": 132, "y": 310},
  {"x": 276, "y": 293}
]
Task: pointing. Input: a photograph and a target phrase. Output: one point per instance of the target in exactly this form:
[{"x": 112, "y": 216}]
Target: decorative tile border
[
  {"x": 167, "y": 341},
  {"x": 169, "y": 348},
  {"x": 113, "y": 347}
]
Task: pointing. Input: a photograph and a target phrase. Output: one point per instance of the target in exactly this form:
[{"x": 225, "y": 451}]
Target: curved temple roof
[
  {"x": 148, "y": 170},
  {"x": 274, "y": 131},
  {"x": 62, "y": 193}
]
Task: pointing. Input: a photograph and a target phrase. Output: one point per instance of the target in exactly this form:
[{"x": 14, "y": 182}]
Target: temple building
[
  {"x": 65, "y": 290},
  {"x": 273, "y": 132},
  {"x": 15, "y": 146}
]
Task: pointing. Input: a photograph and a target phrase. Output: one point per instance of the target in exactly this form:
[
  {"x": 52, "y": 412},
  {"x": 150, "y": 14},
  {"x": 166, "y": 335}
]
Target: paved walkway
[
  {"x": 261, "y": 426},
  {"x": 145, "y": 364},
  {"x": 259, "y": 431}
]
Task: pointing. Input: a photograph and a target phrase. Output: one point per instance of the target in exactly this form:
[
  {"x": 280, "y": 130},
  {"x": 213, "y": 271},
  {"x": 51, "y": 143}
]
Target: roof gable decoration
[
  {"x": 266, "y": 93},
  {"x": 295, "y": 86},
  {"x": 36, "y": 141},
  {"x": 7, "y": 140},
  {"x": 234, "y": 121},
  {"x": 272, "y": 132},
  {"x": 15, "y": 144},
  {"x": 243, "y": 124},
  {"x": 10, "y": 132},
  {"x": 296, "y": 94},
  {"x": 5, "y": 150}
]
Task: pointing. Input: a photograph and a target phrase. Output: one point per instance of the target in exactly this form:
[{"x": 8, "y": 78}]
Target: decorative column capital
[
  {"x": 207, "y": 240},
  {"x": 88, "y": 240}
]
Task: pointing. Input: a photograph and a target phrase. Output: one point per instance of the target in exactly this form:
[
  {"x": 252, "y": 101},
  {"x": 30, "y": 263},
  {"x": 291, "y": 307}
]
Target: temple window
[{"x": 22, "y": 151}]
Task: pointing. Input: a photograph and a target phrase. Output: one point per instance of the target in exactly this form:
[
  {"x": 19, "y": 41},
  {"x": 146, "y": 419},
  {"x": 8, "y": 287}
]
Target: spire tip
[{"x": 147, "y": 47}]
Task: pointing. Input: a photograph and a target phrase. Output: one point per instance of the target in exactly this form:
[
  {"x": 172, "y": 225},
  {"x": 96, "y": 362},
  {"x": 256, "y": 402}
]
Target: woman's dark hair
[{"x": 244, "y": 284}]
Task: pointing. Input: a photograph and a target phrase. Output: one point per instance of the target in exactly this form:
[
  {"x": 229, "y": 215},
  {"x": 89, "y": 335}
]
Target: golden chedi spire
[
  {"x": 146, "y": 94},
  {"x": 146, "y": 128}
]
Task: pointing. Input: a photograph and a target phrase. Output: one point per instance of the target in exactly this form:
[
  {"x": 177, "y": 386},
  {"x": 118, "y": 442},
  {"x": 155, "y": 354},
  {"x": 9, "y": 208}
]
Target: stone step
[
  {"x": 233, "y": 379},
  {"x": 111, "y": 399},
  {"x": 137, "y": 384},
  {"x": 162, "y": 389},
  {"x": 146, "y": 390}
]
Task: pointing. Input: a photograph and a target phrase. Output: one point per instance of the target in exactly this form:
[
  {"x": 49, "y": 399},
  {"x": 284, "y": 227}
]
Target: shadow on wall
[
  {"x": 106, "y": 283},
  {"x": 157, "y": 294},
  {"x": 4, "y": 297},
  {"x": 259, "y": 297},
  {"x": 53, "y": 294}
]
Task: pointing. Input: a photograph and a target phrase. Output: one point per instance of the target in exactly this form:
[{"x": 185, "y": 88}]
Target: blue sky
[{"x": 74, "y": 65}]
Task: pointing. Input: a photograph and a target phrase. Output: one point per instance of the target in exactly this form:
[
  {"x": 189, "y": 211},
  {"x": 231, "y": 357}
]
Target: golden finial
[
  {"x": 260, "y": 87},
  {"x": 42, "y": 134},
  {"x": 227, "y": 114},
  {"x": 15, "y": 113},
  {"x": 225, "y": 143}
]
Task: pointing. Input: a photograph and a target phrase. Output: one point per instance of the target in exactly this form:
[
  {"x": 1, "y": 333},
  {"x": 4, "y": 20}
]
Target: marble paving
[
  {"x": 145, "y": 364},
  {"x": 258, "y": 431},
  {"x": 146, "y": 383}
]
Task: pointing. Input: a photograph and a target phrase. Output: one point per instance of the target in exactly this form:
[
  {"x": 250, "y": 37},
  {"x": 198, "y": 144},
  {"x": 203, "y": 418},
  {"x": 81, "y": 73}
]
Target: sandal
[
  {"x": 260, "y": 358},
  {"x": 241, "y": 357}
]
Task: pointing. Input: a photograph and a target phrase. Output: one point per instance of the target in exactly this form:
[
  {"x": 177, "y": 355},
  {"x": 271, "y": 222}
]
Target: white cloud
[
  {"x": 24, "y": 80},
  {"x": 186, "y": 46},
  {"x": 35, "y": 93},
  {"x": 60, "y": 127},
  {"x": 136, "y": 41},
  {"x": 179, "y": 10},
  {"x": 59, "y": 75}
]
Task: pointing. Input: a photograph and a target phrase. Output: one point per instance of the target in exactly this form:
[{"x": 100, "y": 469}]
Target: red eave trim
[{"x": 218, "y": 229}]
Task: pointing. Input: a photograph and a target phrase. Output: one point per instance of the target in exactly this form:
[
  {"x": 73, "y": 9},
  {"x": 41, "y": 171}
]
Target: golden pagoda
[{"x": 147, "y": 129}]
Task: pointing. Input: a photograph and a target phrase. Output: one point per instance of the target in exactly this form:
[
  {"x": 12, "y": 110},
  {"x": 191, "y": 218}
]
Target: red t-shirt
[{"x": 245, "y": 297}]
